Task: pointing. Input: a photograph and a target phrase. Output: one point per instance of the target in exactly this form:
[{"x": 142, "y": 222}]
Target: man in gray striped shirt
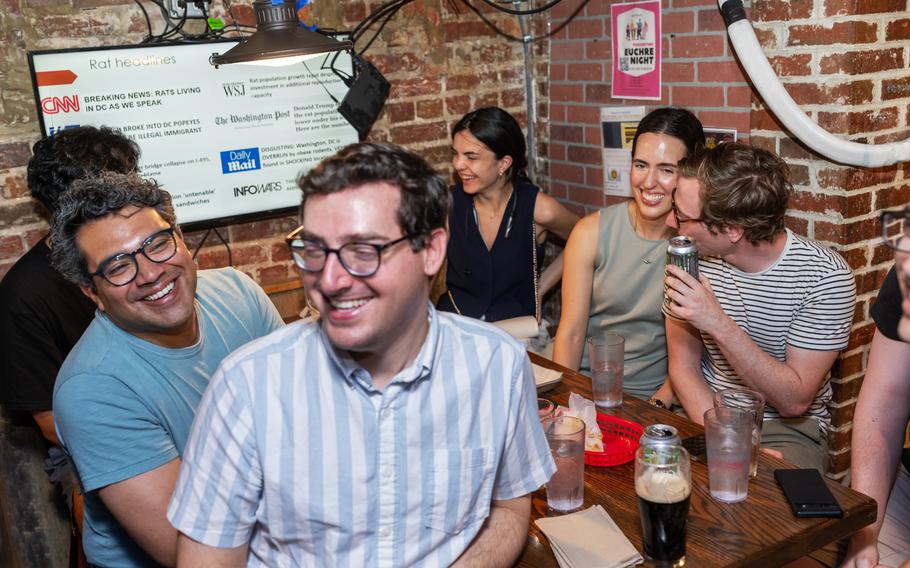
[
  {"x": 770, "y": 310},
  {"x": 386, "y": 433}
]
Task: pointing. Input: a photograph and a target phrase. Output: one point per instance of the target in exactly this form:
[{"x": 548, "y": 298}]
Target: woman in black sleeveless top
[{"x": 498, "y": 223}]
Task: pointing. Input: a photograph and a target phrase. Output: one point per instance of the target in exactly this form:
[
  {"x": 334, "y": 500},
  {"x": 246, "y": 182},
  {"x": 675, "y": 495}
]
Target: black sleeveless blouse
[{"x": 498, "y": 283}]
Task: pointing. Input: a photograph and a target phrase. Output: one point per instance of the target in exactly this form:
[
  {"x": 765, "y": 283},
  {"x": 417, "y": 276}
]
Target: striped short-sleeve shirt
[
  {"x": 805, "y": 299},
  {"x": 294, "y": 451}
]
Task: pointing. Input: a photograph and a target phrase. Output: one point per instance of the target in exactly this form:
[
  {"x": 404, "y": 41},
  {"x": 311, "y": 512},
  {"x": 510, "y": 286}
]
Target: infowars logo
[
  {"x": 244, "y": 160},
  {"x": 254, "y": 189}
]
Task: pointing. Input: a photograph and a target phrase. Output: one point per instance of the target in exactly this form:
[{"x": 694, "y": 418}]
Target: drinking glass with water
[
  {"x": 728, "y": 440},
  {"x": 606, "y": 353},
  {"x": 754, "y": 402},
  {"x": 566, "y": 437}
]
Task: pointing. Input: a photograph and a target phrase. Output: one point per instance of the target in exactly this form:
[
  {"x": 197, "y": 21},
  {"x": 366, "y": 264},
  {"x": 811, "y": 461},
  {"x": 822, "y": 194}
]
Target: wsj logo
[
  {"x": 245, "y": 160},
  {"x": 53, "y": 105},
  {"x": 51, "y": 130},
  {"x": 237, "y": 89},
  {"x": 260, "y": 188}
]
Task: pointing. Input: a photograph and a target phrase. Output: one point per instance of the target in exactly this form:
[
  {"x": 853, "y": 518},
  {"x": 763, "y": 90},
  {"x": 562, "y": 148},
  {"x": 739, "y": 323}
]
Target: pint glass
[
  {"x": 754, "y": 402},
  {"x": 606, "y": 355},
  {"x": 566, "y": 489},
  {"x": 728, "y": 443},
  {"x": 663, "y": 483}
]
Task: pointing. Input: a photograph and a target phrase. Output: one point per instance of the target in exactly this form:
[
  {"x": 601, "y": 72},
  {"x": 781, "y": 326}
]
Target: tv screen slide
[{"x": 227, "y": 143}]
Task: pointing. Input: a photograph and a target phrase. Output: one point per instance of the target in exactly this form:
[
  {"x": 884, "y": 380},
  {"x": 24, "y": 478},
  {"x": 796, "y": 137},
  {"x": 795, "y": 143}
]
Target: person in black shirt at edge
[
  {"x": 879, "y": 463},
  {"x": 41, "y": 314}
]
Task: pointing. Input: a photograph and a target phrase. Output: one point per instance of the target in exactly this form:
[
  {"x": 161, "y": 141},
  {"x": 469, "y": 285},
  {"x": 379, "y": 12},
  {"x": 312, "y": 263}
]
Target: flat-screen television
[{"x": 228, "y": 143}]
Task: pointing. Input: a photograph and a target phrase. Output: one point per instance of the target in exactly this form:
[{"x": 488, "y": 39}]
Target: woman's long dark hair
[
  {"x": 500, "y": 132},
  {"x": 676, "y": 122}
]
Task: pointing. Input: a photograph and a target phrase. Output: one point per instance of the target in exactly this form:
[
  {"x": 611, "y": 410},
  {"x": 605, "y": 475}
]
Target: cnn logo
[{"x": 53, "y": 105}]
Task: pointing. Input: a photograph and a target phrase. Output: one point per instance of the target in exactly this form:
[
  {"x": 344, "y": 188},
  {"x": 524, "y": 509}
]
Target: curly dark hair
[
  {"x": 424, "y": 195},
  {"x": 94, "y": 197},
  {"x": 74, "y": 153},
  {"x": 741, "y": 186},
  {"x": 500, "y": 132}
]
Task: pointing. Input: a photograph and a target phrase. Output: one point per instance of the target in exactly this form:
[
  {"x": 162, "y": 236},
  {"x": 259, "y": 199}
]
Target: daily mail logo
[{"x": 244, "y": 160}]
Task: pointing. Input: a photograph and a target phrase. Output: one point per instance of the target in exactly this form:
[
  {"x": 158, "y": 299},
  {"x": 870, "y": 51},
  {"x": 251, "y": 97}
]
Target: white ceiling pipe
[{"x": 766, "y": 82}]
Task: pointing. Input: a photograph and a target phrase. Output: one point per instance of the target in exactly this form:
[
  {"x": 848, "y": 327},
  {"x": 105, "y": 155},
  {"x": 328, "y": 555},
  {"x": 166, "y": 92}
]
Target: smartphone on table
[{"x": 808, "y": 493}]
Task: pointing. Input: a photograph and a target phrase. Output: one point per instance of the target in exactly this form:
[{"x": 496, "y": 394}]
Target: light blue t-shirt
[{"x": 124, "y": 406}]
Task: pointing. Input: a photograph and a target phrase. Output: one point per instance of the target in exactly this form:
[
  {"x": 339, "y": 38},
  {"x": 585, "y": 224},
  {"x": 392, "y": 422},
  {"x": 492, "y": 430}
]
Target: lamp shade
[{"x": 279, "y": 39}]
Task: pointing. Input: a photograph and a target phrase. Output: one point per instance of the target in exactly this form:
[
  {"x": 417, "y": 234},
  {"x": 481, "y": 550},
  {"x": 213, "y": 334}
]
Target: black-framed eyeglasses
[
  {"x": 680, "y": 219},
  {"x": 122, "y": 268},
  {"x": 896, "y": 229},
  {"x": 359, "y": 259}
]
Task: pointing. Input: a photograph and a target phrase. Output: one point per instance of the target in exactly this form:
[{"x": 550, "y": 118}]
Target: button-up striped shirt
[{"x": 295, "y": 452}]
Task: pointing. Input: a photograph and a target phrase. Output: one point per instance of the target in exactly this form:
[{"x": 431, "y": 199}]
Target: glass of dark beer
[{"x": 663, "y": 483}]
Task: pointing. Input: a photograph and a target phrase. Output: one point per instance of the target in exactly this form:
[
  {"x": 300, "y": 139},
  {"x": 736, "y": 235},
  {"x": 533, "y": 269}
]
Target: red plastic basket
[{"x": 620, "y": 439}]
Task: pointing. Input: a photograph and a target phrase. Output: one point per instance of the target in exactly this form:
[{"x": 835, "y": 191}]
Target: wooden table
[{"x": 760, "y": 531}]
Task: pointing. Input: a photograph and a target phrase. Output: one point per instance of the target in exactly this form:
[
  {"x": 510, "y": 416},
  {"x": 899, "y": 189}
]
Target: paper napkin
[
  {"x": 544, "y": 377},
  {"x": 588, "y": 539}
]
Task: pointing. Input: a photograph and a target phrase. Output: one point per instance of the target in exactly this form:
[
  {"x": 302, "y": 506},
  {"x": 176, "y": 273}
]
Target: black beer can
[{"x": 683, "y": 253}]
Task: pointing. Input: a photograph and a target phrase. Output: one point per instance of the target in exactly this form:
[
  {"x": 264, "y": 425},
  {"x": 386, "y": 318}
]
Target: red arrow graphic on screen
[{"x": 51, "y": 78}]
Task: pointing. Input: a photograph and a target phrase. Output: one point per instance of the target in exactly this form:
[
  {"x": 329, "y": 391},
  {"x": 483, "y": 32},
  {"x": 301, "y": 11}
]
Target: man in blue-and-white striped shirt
[
  {"x": 771, "y": 309},
  {"x": 385, "y": 434}
]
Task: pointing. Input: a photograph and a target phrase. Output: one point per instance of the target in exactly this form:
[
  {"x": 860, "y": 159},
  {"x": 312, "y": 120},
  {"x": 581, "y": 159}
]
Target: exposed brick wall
[
  {"x": 699, "y": 72},
  {"x": 845, "y": 63},
  {"x": 441, "y": 63}
]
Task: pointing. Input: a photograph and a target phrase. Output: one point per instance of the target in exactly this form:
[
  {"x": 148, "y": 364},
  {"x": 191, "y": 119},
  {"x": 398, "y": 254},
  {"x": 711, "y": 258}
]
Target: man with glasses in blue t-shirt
[
  {"x": 879, "y": 461},
  {"x": 126, "y": 395}
]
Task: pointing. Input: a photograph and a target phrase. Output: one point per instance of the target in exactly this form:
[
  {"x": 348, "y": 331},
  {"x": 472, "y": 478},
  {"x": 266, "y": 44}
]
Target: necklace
[
  {"x": 509, "y": 204},
  {"x": 633, "y": 214},
  {"x": 641, "y": 254}
]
